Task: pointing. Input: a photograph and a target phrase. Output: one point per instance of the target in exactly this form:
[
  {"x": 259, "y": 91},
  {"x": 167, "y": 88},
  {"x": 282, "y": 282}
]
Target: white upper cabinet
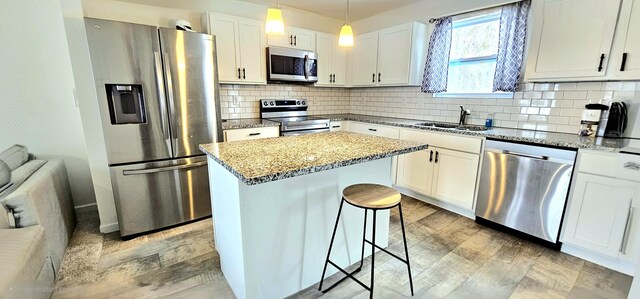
[
  {"x": 625, "y": 63},
  {"x": 296, "y": 38},
  {"x": 572, "y": 40},
  {"x": 391, "y": 57},
  {"x": 331, "y": 61},
  {"x": 240, "y": 46},
  {"x": 364, "y": 60}
]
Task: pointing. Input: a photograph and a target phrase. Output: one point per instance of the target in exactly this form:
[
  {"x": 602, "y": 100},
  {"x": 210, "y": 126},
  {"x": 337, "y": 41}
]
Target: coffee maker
[{"x": 613, "y": 121}]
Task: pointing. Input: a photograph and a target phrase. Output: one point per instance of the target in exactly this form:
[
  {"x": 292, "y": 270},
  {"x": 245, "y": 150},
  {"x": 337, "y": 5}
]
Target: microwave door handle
[{"x": 306, "y": 66}]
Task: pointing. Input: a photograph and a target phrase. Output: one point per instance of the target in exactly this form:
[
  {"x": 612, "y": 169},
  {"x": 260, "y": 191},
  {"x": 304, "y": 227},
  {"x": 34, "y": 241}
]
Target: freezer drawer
[{"x": 159, "y": 194}]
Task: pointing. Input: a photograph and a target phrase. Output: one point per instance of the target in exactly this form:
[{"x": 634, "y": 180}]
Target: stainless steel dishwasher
[{"x": 525, "y": 188}]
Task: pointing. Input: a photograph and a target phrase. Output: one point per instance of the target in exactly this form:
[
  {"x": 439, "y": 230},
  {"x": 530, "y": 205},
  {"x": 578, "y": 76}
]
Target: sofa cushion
[
  {"x": 15, "y": 156},
  {"x": 20, "y": 214},
  {"x": 22, "y": 173},
  {"x": 22, "y": 254},
  {"x": 5, "y": 175}
]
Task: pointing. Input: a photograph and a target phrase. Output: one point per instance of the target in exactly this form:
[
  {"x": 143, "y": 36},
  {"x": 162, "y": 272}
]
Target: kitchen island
[{"x": 275, "y": 201}]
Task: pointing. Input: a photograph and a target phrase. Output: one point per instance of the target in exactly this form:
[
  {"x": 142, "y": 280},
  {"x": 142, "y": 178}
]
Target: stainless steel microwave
[{"x": 291, "y": 65}]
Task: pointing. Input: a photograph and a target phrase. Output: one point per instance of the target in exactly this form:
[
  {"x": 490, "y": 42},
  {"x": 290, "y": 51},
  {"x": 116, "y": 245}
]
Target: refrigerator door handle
[
  {"x": 162, "y": 97},
  {"x": 172, "y": 105},
  {"x": 162, "y": 169}
]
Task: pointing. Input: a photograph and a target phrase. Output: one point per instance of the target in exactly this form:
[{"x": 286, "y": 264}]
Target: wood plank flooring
[{"x": 451, "y": 257}]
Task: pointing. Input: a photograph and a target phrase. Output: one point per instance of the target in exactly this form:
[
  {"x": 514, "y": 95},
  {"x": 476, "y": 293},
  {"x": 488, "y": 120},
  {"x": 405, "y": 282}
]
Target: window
[{"x": 472, "y": 60}]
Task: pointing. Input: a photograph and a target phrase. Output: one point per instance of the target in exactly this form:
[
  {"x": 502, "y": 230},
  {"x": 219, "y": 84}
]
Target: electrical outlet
[{"x": 236, "y": 101}]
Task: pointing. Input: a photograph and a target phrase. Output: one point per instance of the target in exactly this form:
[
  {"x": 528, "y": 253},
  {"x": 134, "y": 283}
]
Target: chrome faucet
[{"x": 463, "y": 116}]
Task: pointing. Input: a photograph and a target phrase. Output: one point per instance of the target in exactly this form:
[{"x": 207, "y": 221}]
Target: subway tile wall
[
  {"x": 555, "y": 107},
  {"x": 243, "y": 101}
]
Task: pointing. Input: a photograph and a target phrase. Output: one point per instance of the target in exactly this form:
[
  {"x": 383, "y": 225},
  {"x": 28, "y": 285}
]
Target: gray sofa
[{"x": 36, "y": 222}]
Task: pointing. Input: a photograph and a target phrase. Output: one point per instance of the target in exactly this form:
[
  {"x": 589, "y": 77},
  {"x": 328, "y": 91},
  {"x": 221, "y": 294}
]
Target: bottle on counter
[{"x": 488, "y": 123}]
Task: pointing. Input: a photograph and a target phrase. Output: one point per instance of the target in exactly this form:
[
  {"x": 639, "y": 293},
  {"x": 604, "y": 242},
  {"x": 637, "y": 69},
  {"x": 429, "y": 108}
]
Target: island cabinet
[
  {"x": 251, "y": 133},
  {"x": 582, "y": 40},
  {"x": 390, "y": 57},
  {"x": 332, "y": 61},
  {"x": 240, "y": 46},
  {"x": 447, "y": 171},
  {"x": 601, "y": 223},
  {"x": 295, "y": 38}
]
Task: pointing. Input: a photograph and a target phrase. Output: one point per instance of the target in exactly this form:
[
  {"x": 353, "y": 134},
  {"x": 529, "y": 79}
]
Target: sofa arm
[{"x": 47, "y": 194}]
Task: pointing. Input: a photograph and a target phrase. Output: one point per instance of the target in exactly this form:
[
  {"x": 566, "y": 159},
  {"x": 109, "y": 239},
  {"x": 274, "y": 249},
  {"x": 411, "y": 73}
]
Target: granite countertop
[
  {"x": 270, "y": 159},
  {"x": 244, "y": 123},
  {"x": 535, "y": 137}
]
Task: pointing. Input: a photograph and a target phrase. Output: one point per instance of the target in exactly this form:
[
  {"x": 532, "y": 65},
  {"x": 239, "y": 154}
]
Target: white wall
[
  {"x": 421, "y": 12},
  {"x": 37, "y": 105},
  {"x": 90, "y": 114},
  {"x": 159, "y": 12}
]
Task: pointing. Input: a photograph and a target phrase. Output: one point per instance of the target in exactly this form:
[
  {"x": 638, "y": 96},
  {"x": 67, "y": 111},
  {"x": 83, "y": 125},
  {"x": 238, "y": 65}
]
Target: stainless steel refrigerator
[{"x": 158, "y": 99}]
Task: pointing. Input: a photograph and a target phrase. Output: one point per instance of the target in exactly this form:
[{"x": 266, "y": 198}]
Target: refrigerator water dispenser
[{"x": 126, "y": 104}]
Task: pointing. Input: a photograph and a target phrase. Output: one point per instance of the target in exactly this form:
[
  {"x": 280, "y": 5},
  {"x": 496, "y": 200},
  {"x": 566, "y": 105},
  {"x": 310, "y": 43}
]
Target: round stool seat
[{"x": 371, "y": 196}]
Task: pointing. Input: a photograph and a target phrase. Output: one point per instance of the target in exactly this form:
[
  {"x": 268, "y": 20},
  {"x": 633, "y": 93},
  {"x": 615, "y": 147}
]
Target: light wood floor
[{"x": 451, "y": 257}]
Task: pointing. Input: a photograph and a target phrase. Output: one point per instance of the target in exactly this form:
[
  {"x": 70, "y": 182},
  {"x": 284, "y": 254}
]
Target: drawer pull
[
  {"x": 627, "y": 229},
  {"x": 335, "y": 126},
  {"x": 632, "y": 165},
  {"x": 254, "y": 134},
  {"x": 373, "y": 130}
]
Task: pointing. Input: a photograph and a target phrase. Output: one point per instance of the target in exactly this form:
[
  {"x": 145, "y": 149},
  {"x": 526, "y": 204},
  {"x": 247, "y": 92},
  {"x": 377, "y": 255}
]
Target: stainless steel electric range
[{"x": 293, "y": 117}]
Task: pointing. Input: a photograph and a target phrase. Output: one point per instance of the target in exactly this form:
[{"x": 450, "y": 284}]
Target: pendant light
[
  {"x": 274, "y": 24},
  {"x": 346, "y": 33}
]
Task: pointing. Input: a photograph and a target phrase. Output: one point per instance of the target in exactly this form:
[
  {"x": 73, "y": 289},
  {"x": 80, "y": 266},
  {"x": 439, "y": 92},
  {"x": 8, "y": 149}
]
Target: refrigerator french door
[{"x": 158, "y": 97}]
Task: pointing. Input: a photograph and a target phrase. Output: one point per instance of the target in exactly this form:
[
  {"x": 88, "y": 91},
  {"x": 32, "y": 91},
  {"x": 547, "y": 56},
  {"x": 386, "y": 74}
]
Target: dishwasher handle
[{"x": 512, "y": 153}]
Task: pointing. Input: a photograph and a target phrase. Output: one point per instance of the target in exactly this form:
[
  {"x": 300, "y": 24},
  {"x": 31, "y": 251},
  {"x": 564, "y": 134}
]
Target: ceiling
[{"x": 358, "y": 9}]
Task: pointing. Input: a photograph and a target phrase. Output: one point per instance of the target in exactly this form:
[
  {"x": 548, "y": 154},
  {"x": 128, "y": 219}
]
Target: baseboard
[
  {"x": 109, "y": 228},
  {"x": 449, "y": 207},
  {"x": 607, "y": 262},
  {"x": 92, "y": 207}
]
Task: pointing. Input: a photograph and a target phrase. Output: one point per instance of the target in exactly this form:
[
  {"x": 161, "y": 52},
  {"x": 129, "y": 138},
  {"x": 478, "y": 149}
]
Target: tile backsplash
[
  {"x": 243, "y": 101},
  {"x": 555, "y": 107}
]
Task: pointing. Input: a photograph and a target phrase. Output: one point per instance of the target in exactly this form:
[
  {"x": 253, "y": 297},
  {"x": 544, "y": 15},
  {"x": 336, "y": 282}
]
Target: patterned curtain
[
  {"x": 436, "y": 69},
  {"x": 513, "y": 31}
]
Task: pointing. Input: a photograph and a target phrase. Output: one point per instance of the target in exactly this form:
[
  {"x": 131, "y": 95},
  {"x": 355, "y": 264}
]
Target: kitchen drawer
[
  {"x": 443, "y": 140},
  {"x": 377, "y": 130},
  {"x": 621, "y": 166},
  {"x": 251, "y": 133}
]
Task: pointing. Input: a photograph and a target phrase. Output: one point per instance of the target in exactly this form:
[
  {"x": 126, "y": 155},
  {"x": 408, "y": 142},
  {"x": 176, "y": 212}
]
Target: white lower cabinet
[
  {"x": 335, "y": 126},
  {"x": 251, "y": 133},
  {"x": 454, "y": 177},
  {"x": 602, "y": 224},
  {"x": 376, "y": 130},
  {"x": 447, "y": 175}
]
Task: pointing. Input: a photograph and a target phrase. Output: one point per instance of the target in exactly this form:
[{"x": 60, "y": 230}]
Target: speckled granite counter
[
  {"x": 506, "y": 134},
  {"x": 244, "y": 123},
  {"x": 265, "y": 160}
]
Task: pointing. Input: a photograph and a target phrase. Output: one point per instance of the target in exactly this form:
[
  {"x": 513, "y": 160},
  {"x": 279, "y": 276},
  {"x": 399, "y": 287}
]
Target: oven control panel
[{"x": 265, "y": 103}]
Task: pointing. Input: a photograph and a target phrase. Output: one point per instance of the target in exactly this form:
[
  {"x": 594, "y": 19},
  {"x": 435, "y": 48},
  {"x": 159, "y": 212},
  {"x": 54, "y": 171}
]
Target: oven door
[
  {"x": 303, "y": 132},
  {"x": 291, "y": 65}
]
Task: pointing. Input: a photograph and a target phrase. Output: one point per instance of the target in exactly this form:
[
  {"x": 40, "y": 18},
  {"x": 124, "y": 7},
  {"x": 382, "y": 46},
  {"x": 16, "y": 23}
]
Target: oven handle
[
  {"x": 303, "y": 132},
  {"x": 305, "y": 127}
]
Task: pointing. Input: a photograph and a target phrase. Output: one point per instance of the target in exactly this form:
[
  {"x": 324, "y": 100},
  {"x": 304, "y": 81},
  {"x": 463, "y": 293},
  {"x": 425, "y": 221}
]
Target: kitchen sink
[{"x": 453, "y": 126}]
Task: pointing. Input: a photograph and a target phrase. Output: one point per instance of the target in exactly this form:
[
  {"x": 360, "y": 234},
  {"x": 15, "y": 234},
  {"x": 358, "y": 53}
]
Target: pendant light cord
[{"x": 346, "y": 19}]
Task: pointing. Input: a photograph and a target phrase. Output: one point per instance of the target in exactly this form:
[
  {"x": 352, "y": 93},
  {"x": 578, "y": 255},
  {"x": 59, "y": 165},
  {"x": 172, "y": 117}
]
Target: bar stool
[{"x": 368, "y": 197}]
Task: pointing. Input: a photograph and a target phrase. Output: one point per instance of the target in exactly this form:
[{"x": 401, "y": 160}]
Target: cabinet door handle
[
  {"x": 624, "y": 61},
  {"x": 239, "y": 73},
  {"x": 379, "y": 77},
  {"x": 334, "y": 78},
  {"x": 244, "y": 73},
  {"x": 291, "y": 40},
  {"x": 627, "y": 229},
  {"x": 601, "y": 62},
  {"x": 437, "y": 154},
  {"x": 373, "y": 80},
  {"x": 254, "y": 134},
  {"x": 295, "y": 40},
  {"x": 373, "y": 130},
  {"x": 430, "y": 156}
]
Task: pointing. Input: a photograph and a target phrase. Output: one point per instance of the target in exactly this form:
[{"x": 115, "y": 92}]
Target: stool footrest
[
  {"x": 386, "y": 251},
  {"x": 348, "y": 275}
]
